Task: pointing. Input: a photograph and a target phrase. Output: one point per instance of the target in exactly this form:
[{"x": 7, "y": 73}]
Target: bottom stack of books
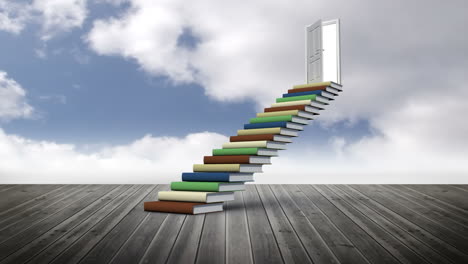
[{"x": 210, "y": 184}]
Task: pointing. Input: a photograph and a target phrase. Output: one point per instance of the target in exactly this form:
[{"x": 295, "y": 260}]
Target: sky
[{"x": 136, "y": 91}]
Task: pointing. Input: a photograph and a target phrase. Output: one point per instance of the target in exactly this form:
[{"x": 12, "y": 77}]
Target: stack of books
[{"x": 227, "y": 170}]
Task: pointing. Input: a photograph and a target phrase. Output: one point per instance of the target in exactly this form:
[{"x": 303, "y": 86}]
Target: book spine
[
  {"x": 265, "y": 125},
  {"x": 236, "y": 151},
  {"x": 284, "y": 108},
  {"x": 318, "y": 92},
  {"x": 245, "y": 144},
  {"x": 216, "y": 167},
  {"x": 268, "y": 119},
  {"x": 183, "y": 196},
  {"x": 235, "y": 159},
  {"x": 205, "y": 176},
  {"x": 300, "y": 102},
  {"x": 307, "y": 85},
  {"x": 195, "y": 186},
  {"x": 170, "y": 207},
  {"x": 278, "y": 113},
  {"x": 245, "y": 132},
  {"x": 297, "y": 98},
  {"x": 309, "y": 89},
  {"x": 268, "y": 137}
]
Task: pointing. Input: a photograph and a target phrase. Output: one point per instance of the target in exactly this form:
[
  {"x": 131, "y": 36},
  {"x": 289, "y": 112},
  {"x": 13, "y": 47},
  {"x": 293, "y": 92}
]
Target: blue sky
[{"x": 116, "y": 84}]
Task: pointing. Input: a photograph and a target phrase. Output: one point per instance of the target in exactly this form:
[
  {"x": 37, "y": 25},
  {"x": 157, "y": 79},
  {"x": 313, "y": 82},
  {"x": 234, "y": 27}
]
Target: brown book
[
  {"x": 285, "y": 108},
  {"x": 252, "y": 137},
  {"x": 236, "y": 159},
  {"x": 182, "y": 207},
  {"x": 307, "y": 89}
]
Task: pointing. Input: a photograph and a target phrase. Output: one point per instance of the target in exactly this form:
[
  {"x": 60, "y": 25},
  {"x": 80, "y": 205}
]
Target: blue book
[
  {"x": 284, "y": 124},
  {"x": 319, "y": 92},
  {"x": 217, "y": 176}
]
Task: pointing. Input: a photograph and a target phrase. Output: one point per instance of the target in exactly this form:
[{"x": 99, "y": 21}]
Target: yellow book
[
  {"x": 278, "y": 113},
  {"x": 300, "y": 102},
  {"x": 272, "y": 130},
  {"x": 246, "y": 144},
  {"x": 196, "y": 197},
  {"x": 307, "y": 85},
  {"x": 227, "y": 168}
]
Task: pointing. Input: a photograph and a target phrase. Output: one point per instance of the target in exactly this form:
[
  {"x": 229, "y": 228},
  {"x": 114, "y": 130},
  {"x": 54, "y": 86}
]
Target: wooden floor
[{"x": 265, "y": 224}]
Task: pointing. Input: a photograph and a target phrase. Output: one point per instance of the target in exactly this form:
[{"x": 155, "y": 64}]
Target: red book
[
  {"x": 307, "y": 89},
  {"x": 182, "y": 207},
  {"x": 236, "y": 159},
  {"x": 252, "y": 137},
  {"x": 285, "y": 108}
]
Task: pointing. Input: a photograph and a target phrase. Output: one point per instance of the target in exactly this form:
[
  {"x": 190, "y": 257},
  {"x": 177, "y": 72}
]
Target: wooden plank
[
  {"x": 264, "y": 246},
  {"x": 462, "y": 187},
  {"x": 76, "y": 251},
  {"x": 404, "y": 237},
  {"x": 22, "y": 239},
  {"x": 7, "y": 187},
  {"x": 31, "y": 210},
  {"x": 212, "y": 247},
  {"x": 309, "y": 236},
  {"x": 389, "y": 242},
  {"x": 342, "y": 247},
  {"x": 427, "y": 238},
  {"x": 14, "y": 197},
  {"x": 49, "y": 245},
  {"x": 186, "y": 246},
  {"x": 238, "y": 247},
  {"x": 112, "y": 242},
  {"x": 372, "y": 250},
  {"x": 445, "y": 193},
  {"x": 438, "y": 230},
  {"x": 454, "y": 210},
  {"x": 431, "y": 210},
  {"x": 136, "y": 245},
  {"x": 159, "y": 249},
  {"x": 21, "y": 222},
  {"x": 289, "y": 243}
]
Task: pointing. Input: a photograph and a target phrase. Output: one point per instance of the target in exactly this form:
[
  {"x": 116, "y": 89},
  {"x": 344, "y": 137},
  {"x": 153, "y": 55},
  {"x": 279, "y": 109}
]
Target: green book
[
  {"x": 271, "y": 119},
  {"x": 296, "y": 98},
  {"x": 245, "y": 151},
  {"x": 207, "y": 186}
]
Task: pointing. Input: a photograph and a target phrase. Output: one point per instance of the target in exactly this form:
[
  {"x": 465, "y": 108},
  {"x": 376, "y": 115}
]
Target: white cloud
[
  {"x": 146, "y": 160},
  {"x": 59, "y": 16},
  {"x": 13, "y": 16},
  {"x": 54, "y": 16},
  {"x": 13, "y": 103}
]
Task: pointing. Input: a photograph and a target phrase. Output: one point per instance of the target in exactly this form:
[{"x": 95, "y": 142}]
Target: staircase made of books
[{"x": 210, "y": 184}]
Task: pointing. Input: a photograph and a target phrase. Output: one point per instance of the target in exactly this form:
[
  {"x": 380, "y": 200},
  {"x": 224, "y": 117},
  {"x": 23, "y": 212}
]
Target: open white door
[{"x": 323, "y": 52}]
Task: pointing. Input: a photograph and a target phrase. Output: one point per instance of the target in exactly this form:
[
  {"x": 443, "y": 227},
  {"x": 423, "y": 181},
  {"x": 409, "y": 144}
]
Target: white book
[
  {"x": 328, "y": 95},
  {"x": 309, "y": 102},
  {"x": 236, "y": 186},
  {"x": 273, "y": 130},
  {"x": 255, "y": 144},
  {"x": 295, "y": 126},
  {"x": 300, "y": 120},
  {"x": 281, "y": 138},
  {"x": 196, "y": 197}
]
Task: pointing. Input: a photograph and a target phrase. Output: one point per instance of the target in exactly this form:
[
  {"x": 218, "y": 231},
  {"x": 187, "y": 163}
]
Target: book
[
  {"x": 270, "y": 137},
  {"x": 309, "y": 85},
  {"x": 227, "y": 167},
  {"x": 298, "y": 113},
  {"x": 291, "y": 118},
  {"x": 182, "y": 207},
  {"x": 301, "y": 102},
  {"x": 237, "y": 159},
  {"x": 245, "y": 151},
  {"x": 217, "y": 176},
  {"x": 284, "y": 124},
  {"x": 197, "y": 197},
  {"x": 319, "y": 88},
  {"x": 207, "y": 186},
  {"x": 255, "y": 144},
  {"x": 306, "y": 108},
  {"x": 323, "y": 93},
  {"x": 274, "y": 130},
  {"x": 312, "y": 97}
]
